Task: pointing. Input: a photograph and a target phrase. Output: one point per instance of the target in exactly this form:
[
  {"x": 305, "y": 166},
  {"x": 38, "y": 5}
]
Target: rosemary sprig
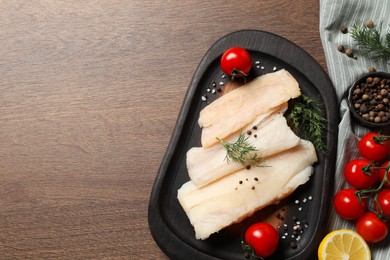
[
  {"x": 368, "y": 40},
  {"x": 306, "y": 119},
  {"x": 241, "y": 152}
]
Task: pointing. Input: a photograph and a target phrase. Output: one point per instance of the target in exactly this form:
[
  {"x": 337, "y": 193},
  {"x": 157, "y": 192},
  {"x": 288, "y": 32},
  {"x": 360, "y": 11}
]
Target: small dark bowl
[{"x": 354, "y": 113}]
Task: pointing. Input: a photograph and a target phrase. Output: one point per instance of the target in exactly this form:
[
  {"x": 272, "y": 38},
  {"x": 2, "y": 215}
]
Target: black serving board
[{"x": 168, "y": 222}]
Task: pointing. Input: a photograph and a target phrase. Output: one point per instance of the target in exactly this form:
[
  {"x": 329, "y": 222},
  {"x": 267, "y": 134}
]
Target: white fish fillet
[
  {"x": 239, "y": 107},
  {"x": 226, "y": 201},
  {"x": 205, "y": 165}
]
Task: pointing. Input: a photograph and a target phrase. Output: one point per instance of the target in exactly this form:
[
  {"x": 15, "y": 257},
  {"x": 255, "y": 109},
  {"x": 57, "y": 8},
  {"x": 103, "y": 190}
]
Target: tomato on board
[
  {"x": 371, "y": 228},
  {"x": 372, "y": 150},
  {"x": 236, "y": 62},
  {"x": 263, "y": 238},
  {"x": 382, "y": 173},
  {"x": 356, "y": 177},
  {"x": 348, "y": 205}
]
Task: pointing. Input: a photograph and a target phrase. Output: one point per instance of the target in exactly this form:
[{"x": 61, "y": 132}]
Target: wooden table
[{"x": 89, "y": 95}]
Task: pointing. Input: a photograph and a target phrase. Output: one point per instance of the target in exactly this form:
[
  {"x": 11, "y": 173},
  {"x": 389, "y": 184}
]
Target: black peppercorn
[
  {"x": 344, "y": 29},
  {"x": 293, "y": 244},
  {"x": 349, "y": 52},
  {"x": 369, "y": 23}
]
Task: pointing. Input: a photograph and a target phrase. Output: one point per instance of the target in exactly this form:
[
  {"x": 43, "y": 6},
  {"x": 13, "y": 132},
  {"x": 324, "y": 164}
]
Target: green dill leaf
[
  {"x": 241, "y": 151},
  {"x": 306, "y": 119}
]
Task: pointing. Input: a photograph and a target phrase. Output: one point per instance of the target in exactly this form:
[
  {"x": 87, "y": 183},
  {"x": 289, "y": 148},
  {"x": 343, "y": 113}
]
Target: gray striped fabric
[{"x": 343, "y": 71}]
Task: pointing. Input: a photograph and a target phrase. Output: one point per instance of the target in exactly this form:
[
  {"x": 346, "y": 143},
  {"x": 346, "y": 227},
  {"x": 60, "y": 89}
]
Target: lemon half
[{"x": 343, "y": 244}]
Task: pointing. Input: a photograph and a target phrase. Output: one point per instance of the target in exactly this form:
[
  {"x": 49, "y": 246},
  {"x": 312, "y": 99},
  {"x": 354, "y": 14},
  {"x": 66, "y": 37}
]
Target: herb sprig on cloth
[
  {"x": 306, "y": 119},
  {"x": 368, "y": 40}
]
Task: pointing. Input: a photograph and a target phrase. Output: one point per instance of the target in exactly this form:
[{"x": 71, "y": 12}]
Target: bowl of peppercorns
[{"x": 368, "y": 99}]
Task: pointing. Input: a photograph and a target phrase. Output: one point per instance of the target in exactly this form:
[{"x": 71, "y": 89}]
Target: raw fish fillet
[
  {"x": 238, "y": 195},
  {"x": 273, "y": 135},
  {"x": 241, "y": 106}
]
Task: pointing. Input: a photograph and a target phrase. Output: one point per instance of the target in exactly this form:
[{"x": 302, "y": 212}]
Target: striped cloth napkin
[{"x": 343, "y": 71}]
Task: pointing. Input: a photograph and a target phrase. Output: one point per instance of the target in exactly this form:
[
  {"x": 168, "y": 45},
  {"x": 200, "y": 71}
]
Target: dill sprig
[
  {"x": 368, "y": 40},
  {"x": 241, "y": 152},
  {"x": 306, "y": 119}
]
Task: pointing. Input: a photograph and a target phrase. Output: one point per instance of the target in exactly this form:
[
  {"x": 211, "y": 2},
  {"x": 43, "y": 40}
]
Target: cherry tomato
[
  {"x": 371, "y": 228},
  {"x": 236, "y": 62},
  {"x": 383, "y": 205},
  {"x": 371, "y": 150},
  {"x": 348, "y": 205},
  {"x": 382, "y": 174},
  {"x": 355, "y": 176},
  {"x": 263, "y": 238}
]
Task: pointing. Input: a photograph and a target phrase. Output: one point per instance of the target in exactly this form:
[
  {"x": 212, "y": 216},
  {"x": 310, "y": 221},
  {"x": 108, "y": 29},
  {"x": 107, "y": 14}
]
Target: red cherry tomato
[
  {"x": 356, "y": 177},
  {"x": 371, "y": 228},
  {"x": 382, "y": 174},
  {"x": 383, "y": 205},
  {"x": 348, "y": 205},
  {"x": 236, "y": 62},
  {"x": 263, "y": 238},
  {"x": 371, "y": 150}
]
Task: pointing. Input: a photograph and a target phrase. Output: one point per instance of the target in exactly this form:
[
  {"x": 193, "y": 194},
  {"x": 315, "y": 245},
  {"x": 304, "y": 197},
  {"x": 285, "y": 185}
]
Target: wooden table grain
[{"x": 89, "y": 95}]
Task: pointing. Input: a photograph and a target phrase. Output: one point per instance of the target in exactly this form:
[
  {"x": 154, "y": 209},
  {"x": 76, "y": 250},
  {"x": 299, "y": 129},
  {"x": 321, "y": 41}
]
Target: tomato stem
[
  {"x": 380, "y": 139},
  {"x": 364, "y": 193},
  {"x": 249, "y": 251},
  {"x": 368, "y": 169},
  {"x": 238, "y": 73}
]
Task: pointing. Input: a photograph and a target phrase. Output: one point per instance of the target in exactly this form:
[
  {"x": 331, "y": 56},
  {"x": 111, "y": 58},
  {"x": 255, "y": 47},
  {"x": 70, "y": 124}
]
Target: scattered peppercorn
[
  {"x": 253, "y": 187},
  {"x": 256, "y": 179},
  {"x": 254, "y": 127},
  {"x": 340, "y": 48},
  {"x": 249, "y": 132},
  {"x": 280, "y": 217},
  {"x": 247, "y": 167},
  {"x": 349, "y": 52},
  {"x": 344, "y": 29},
  {"x": 369, "y": 23},
  {"x": 293, "y": 244}
]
